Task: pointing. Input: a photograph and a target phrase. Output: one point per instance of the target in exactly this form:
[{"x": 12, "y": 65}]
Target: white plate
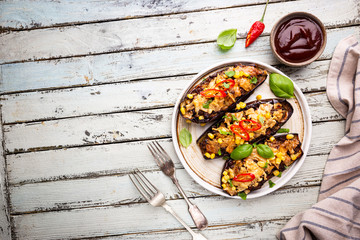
[{"x": 207, "y": 172}]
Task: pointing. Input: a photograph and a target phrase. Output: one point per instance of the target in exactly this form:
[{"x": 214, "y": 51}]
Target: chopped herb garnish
[
  {"x": 226, "y": 157},
  {"x": 283, "y": 130},
  {"x": 230, "y": 73},
  {"x": 266, "y": 165},
  {"x": 261, "y": 119},
  {"x": 254, "y": 145},
  {"x": 219, "y": 152},
  {"x": 286, "y": 167},
  {"x": 230, "y": 182},
  {"x": 242, "y": 195},
  {"x": 225, "y": 132},
  {"x": 234, "y": 118},
  {"x": 271, "y": 184},
  {"x": 279, "y": 174},
  {"x": 253, "y": 80},
  {"x": 226, "y": 85},
  {"x": 206, "y": 105}
]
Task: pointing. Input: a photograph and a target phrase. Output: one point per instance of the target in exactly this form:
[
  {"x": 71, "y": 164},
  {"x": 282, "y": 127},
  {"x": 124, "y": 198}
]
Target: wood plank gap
[{"x": 152, "y": 48}]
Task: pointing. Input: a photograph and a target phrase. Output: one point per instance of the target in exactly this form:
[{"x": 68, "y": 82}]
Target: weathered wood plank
[
  {"x": 137, "y": 95},
  {"x": 117, "y": 67},
  {"x": 33, "y": 14},
  {"x": 5, "y": 225},
  {"x": 115, "y": 190},
  {"x": 93, "y": 130},
  {"x": 125, "y": 218},
  {"x": 180, "y": 29}
]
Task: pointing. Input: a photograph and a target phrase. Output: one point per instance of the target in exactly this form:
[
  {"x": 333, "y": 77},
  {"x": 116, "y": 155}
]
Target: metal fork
[
  {"x": 157, "y": 199},
  {"x": 166, "y": 165}
]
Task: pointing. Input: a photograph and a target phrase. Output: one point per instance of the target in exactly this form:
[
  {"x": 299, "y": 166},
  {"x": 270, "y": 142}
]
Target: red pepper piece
[
  {"x": 256, "y": 29},
  {"x": 244, "y": 177},
  {"x": 240, "y": 132},
  {"x": 209, "y": 93},
  {"x": 250, "y": 125},
  {"x": 228, "y": 81}
]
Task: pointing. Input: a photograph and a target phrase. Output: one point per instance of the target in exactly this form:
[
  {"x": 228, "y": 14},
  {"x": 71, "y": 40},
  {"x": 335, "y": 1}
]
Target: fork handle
[
  {"x": 196, "y": 236},
  {"x": 197, "y": 216}
]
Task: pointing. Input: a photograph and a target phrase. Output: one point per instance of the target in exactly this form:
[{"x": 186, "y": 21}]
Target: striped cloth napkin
[{"x": 336, "y": 215}]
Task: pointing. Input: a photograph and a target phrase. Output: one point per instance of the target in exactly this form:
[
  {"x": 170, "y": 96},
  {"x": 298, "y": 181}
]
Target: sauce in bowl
[{"x": 298, "y": 39}]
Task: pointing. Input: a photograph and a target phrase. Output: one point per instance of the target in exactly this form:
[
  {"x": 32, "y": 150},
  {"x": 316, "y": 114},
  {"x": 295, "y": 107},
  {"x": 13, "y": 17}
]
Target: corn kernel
[
  {"x": 202, "y": 124},
  {"x": 272, "y": 138},
  {"x": 279, "y": 154},
  {"x": 278, "y": 160},
  {"x": 242, "y": 104},
  {"x": 233, "y": 188},
  {"x": 258, "y": 97},
  {"x": 225, "y": 173},
  {"x": 293, "y": 157},
  {"x": 212, "y": 156},
  {"x": 283, "y": 158},
  {"x": 211, "y": 136},
  {"x": 190, "y": 96},
  {"x": 217, "y": 81},
  {"x": 276, "y": 173},
  {"x": 188, "y": 121},
  {"x": 242, "y": 141},
  {"x": 223, "y": 180},
  {"x": 251, "y": 135},
  {"x": 237, "y": 74},
  {"x": 237, "y": 106},
  {"x": 237, "y": 141},
  {"x": 261, "y": 164},
  {"x": 207, "y": 155},
  {"x": 289, "y": 136},
  {"x": 220, "y": 141},
  {"x": 246, "y": 74},
  {"x": 182, "y": 110},
  {"x": 201, "y": 117},
  {"x": 243, "y": 118},
  {"x": 223, "y": 185},
  {"x": 268, "y": 115},
  {"x": 226, "y": 177},
  {"x": 232, "y": 175},
  {"x": 260, "y": 116}
]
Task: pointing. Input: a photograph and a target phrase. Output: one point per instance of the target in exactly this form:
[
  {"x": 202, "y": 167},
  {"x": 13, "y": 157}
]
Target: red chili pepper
[
  {"x": 229, "y": 81},
  {"x": 240, "y": 132},
  {"x": 256, "y": 29},
  {"x": 244, "y": 177},
  {"x": 209, "y": 93},
  {"x": 252, "y": 126}
]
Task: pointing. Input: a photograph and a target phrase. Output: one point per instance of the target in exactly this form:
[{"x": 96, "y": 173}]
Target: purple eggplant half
[
  {"x": 220, "y": 92},
  {"x": 248, "y": 174},
  {"x": 257, "y": 121}
]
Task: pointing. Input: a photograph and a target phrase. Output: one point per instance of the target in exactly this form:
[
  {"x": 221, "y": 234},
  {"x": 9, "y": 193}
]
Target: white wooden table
[{"x": 86, "y": 84}]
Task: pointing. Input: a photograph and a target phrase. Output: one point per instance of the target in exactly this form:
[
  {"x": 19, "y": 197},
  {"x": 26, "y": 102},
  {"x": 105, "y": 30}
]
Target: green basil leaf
[
  {"x": 271, "y": 184},
  {"x": 225, "y": 132},
  {"x": 185, "y": 137},
  {"x": 281, "y": 86},
  {"x": 230, "y": 182},
  {"x": 219, "y": 152},
  {"x": 279, "y": 174},
  {"x": 241, "y": 151},
  {"x": 206, "y": 105},
  {"x": 234, "y": 118},
  {"x": 227, "y": 38},
  {"x": 230, "y": 73},
  {"x": 242, "y": 195},
  {"x": 261, "y": 119},
  {"x": 253, "y": 80},
  {"x": 264, "y": 151},
  {"x": 226, "y": 85},
  {"x": 283, "y": 130}
]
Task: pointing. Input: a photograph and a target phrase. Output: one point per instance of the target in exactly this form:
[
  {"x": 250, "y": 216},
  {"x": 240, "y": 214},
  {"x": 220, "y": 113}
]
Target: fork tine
[
  {"x": 159, "y": 152},
  {"x": 157, "y": 159},
  {"x": 143, "y": 185},
  {"x": 163, "y": 151},
  {"x": 136, "y": 184},
  {"x": 147, "y": 183}
]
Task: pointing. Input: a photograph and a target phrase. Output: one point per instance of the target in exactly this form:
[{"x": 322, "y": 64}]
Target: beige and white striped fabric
[{"x": 337, "y": 213}]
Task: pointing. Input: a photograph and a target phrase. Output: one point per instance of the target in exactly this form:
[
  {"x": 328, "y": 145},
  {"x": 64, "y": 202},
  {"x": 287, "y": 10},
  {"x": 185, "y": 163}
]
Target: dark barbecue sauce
[{"x": 298, "y": 39}]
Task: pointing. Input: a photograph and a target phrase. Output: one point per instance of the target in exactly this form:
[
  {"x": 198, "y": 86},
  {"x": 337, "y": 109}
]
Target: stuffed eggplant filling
[
  {"x": 248, "y": 174},
  {"x": 220, "y": 92},
  {"x": 251, "y": 124}
]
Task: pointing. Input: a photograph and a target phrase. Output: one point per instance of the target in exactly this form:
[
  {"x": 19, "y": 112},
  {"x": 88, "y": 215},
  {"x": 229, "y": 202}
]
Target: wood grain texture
[
  {"x": 125, "y": 66},
  {"x": 26, "y": 14},
  {"x": 104, "y": 221}
]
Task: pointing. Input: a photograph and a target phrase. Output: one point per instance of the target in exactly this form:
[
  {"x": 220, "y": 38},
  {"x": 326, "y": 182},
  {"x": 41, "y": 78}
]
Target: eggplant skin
[
  {"x": 215, "y": 115},
  {"x": 230, "y": 164},
  {"x": 203, "y": 141}
]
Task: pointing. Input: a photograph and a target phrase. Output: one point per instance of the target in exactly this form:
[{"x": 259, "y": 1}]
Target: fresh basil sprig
[
  {"x": 281, "y": 86},
  {"x": 264, "y": 151},
  {"x": 241, "y": 151},
  {"x": 227, "y": 38},
  {"x": 185, "y": 137}
]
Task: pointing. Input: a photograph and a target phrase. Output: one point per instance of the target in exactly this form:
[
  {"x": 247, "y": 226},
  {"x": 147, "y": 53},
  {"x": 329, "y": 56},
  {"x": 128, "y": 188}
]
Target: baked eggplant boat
[
  {"x": 220, "y": 92},
  {"x": 248, "y": 174},
  {"x": 255, "y": 122}
]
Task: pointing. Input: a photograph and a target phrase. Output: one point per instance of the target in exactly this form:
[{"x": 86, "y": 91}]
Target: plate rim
[{"x": 306, "y": 118}]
